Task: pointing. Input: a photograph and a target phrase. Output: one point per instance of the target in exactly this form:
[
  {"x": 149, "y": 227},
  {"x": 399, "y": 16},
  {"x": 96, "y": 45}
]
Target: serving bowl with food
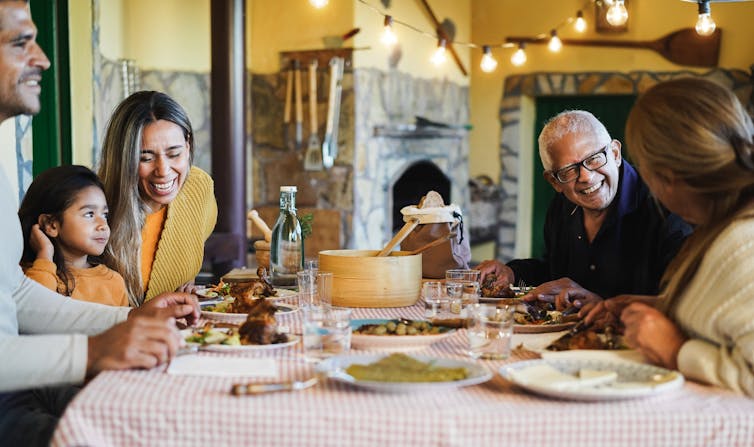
[{"x": 396, "y": 335}]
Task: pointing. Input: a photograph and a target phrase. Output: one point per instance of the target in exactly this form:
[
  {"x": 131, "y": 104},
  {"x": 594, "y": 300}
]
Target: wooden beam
[{"x": 442, "y": 34}]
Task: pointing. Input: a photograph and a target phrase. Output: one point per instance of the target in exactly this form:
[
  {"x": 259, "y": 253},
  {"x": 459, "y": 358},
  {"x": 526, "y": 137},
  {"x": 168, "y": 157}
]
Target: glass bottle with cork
[{"x": 287, "y": 244}]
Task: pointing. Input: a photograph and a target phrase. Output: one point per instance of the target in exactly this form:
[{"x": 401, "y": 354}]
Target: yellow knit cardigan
[{"x": 189, "y": 221}]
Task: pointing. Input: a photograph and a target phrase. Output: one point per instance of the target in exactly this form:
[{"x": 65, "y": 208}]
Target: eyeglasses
[{"x": 571, "y": 172}]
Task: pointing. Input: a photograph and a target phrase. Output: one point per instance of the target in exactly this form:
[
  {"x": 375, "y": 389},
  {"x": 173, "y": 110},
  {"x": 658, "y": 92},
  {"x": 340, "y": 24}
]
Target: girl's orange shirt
[
  {"x": 150, "y": 237},
  {"x": 97, "y": 284}
]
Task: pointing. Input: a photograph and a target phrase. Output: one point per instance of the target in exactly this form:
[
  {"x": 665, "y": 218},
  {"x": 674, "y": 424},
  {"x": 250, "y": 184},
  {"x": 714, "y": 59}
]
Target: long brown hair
[
  {"x": 699, "y": 131},
  {"x": 119, "y": 171}
]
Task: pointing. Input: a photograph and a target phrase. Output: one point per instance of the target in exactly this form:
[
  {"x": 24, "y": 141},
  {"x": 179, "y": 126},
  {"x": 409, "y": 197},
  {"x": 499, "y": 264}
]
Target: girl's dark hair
[{"x": 52, "y": 192}]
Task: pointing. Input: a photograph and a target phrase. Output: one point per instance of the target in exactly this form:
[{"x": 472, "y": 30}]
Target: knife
[
  {"x": 299, "y": 105},
  {"x": 330, "y": 145},
  {"x": 246, "y": 389}
]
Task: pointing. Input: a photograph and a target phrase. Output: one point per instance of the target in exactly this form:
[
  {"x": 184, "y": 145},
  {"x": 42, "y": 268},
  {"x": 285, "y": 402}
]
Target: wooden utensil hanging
[{"x": 683, "y": 47}]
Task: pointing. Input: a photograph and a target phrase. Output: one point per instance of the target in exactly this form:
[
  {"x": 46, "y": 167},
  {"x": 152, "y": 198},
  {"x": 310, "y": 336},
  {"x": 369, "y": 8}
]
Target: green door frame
[{"x": 51, "y": 129}]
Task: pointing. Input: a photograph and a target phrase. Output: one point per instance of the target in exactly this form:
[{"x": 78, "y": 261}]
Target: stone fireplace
[
  {"x": 516, "y": 122},
  {"x": 380, "y": 148}
]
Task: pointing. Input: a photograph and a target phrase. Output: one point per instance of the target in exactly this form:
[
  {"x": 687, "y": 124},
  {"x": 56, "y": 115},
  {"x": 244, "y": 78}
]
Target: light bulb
[
  {"x": 488, "y": 62},
  {"x": 617, "y": 14},
  {"x": 519, "y": 57},
  {"x": 388, "y": 35},
  {"x": 318, "y": 3},
  {"x": 580, "y": 24},
  {"x": 439, "y": 57},
  {"x": 704, "y": 24},
  {"x": 555, "y": 44}
]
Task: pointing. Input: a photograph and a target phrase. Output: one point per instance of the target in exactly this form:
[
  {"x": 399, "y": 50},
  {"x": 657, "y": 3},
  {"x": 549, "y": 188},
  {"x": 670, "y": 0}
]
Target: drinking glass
[
  {"x": 327, "y": 332},
  {"x": 490, "y": 331},
  {"x": 470, "y": 281},
  {"x": 454, "y": 291},
  {"x": 434, "y": 298},
  {"x": 314, "y": 288}
]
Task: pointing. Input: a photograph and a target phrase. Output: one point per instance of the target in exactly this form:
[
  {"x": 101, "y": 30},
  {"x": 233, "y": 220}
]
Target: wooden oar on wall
[{"x": 683, "y": 47}]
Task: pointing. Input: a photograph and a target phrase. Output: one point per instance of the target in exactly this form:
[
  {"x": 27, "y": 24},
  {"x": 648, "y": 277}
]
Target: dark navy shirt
[{"x": 629, "y": 254}]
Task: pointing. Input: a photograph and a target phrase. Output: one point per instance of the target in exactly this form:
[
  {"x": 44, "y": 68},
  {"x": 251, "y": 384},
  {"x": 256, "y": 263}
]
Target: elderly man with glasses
[{"x": 604, "y": 234}]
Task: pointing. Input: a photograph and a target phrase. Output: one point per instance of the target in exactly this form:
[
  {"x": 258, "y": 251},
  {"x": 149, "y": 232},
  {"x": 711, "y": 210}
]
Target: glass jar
[{"x": 287, "y": 244}]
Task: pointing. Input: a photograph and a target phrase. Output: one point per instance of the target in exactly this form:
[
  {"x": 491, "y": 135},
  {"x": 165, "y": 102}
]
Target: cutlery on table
[{"x": 246, "y": 389}]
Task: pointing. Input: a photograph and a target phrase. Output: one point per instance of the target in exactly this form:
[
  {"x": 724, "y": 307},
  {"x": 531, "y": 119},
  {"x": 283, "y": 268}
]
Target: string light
[
  {"x": 318, "y": 3},
  {"x": 704, "y": 24},
  {"x": 580, "y": 24},
  {"x": 519, "y": 57},
  {"x": 439, "y": 57},
  {"x": 555, "y": 44},
  {"x": 488, "y": 63},
  {"x": 617, "y": 14},
  {"x": 388, "y": 35}
]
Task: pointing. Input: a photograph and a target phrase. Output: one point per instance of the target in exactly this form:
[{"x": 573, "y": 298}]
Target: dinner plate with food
[
  {"x": 402, "y": 373},
  {"x": 397, "y": 335},
  {"x": 231, "y": 310},
  {"x": 253, "y": 288},
  {"x": 230, "y": 340},
  {"x": 591, "y": 379}
]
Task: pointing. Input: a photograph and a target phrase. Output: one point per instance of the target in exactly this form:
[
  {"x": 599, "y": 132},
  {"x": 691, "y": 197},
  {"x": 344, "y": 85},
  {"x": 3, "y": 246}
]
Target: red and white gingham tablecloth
[{"x": 152, "y": 408}]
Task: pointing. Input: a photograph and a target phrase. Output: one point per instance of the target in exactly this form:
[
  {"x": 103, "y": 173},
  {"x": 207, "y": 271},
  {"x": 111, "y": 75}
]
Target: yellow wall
[
  {"x": 493, "y": 20},
  {"x": 416, "y": 48},
  {"x": 285, "y": 25},
  {"x": 112, "y": 24},
  {"x": 80, "y": 36}
]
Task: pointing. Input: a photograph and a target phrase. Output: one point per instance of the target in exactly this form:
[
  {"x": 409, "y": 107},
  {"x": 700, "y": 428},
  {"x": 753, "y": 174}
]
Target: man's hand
[
  {"x": 171, "y": 304},
  {"x": 565, "y": 293},
  {"x": 188, "y": 287},
  {"x": 653, "y": 334},
  {"x": 40, "y": 243},
  {"x": 504, "y": 276},
  {"x": 139, "y": 342}
]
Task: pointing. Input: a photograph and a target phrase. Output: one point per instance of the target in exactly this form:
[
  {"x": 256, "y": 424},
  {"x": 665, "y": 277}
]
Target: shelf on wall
[{"x": 412, "y": 131}]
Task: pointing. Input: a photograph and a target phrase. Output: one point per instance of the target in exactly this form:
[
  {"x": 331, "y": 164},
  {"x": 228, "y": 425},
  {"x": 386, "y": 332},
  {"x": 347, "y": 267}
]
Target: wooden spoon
[
  {"x": 254, "y": 217},
  {"x": 408, "y": 227}
]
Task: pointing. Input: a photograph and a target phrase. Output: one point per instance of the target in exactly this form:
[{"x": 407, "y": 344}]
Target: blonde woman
[
  {"x": 693, "y": 142},
  {"x": 162, "y": 209}
]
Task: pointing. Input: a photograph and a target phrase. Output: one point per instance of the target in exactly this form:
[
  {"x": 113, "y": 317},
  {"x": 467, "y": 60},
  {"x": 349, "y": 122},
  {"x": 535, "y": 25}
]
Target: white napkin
[{"x": 202, "y": 365}]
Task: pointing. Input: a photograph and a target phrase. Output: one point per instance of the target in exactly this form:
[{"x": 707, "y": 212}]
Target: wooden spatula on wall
[{"x": 683, "y": 47}]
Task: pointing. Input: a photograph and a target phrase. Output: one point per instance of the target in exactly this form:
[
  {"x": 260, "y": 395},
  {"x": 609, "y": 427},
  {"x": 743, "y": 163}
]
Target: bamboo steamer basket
[{"x": 361, "y": 279}]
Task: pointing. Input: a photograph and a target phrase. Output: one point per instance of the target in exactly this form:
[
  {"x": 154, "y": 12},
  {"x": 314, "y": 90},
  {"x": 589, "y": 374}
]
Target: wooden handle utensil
[
  {"x": 254, "y": 217},
  {"x": 399, "y": 236}
]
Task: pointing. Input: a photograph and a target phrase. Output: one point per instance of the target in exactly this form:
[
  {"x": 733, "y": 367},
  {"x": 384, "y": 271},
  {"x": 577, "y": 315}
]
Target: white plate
[
  {"x": 205, "y": 294},
  {"x": 335, "y": 368},
  {"x": 541, "y": 328},
  {"x": 292, "y": 340},
  {"x": 633, "y": 380},
  {"x": 224, "y": 317},
  {"x": 392, "y": 343}
]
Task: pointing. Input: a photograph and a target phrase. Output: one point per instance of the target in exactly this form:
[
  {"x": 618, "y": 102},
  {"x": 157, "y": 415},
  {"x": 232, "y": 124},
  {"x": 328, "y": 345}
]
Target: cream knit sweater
[
  {"x": 717, "y": 313},
  {"x": 190, "y": 220}
]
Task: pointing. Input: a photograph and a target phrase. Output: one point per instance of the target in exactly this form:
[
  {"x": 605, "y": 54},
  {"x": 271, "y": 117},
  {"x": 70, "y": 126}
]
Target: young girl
[{"x": 64, "y": 220}]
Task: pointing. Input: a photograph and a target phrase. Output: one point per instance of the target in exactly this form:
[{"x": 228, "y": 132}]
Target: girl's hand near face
[{"x": 41, "y": 244}]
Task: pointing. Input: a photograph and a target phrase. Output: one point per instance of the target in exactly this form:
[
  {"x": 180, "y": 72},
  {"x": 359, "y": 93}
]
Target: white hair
[{"x": 569, "y": 122}]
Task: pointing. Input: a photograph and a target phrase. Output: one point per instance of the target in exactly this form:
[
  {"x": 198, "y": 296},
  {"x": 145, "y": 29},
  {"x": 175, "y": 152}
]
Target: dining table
[{"x": 156, "y": 408}]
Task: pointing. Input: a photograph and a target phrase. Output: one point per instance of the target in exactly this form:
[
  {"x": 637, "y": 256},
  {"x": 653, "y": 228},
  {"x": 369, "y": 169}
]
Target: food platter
[
  {"x": 216, "y": 347},
  {"x": 606, "y": 379},
  {"x": 335, "y": 368},
  {"x": 542, "y": 328},
  {"x": 206, "y": 293},
  {"x": 393, "y": 343},
  {"x": 224, "y": 317}
]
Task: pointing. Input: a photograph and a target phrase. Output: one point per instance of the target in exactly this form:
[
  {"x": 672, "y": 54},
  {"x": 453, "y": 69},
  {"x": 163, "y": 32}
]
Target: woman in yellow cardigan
[{"x": 162, "y": 210}]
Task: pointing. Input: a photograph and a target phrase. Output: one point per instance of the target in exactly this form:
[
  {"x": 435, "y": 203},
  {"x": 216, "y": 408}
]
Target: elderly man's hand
[
  {"x": 139, "y": 342},
  {"x": 653, "y": 334},
  {"x": 504, "y": 276},
  {"x": 171, "y": 304},
  {"x": 565, "y": 293}
]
